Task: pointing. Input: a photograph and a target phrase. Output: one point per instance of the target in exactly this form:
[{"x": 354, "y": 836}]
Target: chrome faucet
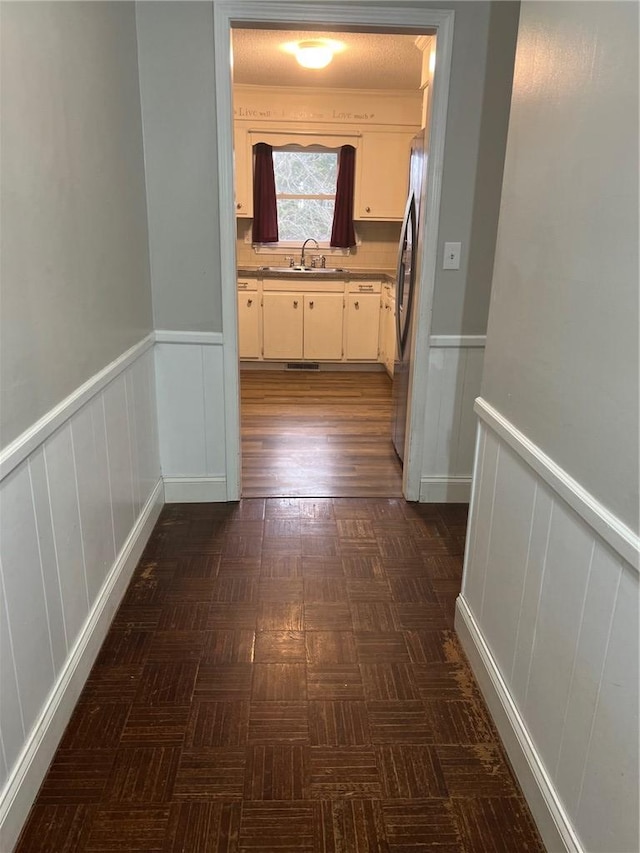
[{"x": 308, "y": 240}]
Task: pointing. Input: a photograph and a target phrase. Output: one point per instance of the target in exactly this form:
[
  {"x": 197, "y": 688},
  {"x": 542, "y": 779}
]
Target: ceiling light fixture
[{"x": 315, "y": 53}]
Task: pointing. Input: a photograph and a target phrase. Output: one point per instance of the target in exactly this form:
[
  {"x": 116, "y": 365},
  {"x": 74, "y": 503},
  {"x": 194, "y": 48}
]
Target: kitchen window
[{"x": 305, "y": 192}]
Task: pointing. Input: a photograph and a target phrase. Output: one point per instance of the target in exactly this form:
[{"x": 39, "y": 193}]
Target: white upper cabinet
[
  {"x": 380, "y": 125},
  {"x": 243, "y": 166},
  {"x": 382, "y": 175}
]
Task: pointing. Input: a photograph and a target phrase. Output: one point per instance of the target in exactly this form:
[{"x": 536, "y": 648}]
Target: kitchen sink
[{"x": 302, "y": 269}]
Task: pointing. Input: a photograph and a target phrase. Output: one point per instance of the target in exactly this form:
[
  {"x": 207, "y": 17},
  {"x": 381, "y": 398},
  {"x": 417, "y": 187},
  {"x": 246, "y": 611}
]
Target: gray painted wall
[
  {"x": 177, "y": 90},
  {"x": 177, "y": 86},
  {"x": 477, "y": 120},
  {"x": 74, "y": 274},
  {"x": 562, "y": 351}
]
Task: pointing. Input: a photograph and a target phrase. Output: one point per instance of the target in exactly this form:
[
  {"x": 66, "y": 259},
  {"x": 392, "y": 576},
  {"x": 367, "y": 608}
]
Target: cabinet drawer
[
  {"x": 364, "y": 287},
  {"x": 248, "y": 284}
]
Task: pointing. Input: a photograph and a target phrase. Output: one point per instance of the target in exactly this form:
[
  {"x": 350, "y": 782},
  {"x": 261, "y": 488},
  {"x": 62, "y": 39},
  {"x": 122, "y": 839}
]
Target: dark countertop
[{"x": 354, "y": 274}]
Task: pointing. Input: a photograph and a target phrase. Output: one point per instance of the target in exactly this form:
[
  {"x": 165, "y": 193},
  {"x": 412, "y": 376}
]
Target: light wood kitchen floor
[{"x": 317, "y": 434}]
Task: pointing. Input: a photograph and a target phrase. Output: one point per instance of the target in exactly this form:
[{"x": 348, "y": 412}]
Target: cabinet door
[
  {"x": 282, "y": 325},
  {"x": 249, "y": 325},
  {"x": 382, "y": 175},
  {"x": 323, "y": 326},
  {"x": 390, "y": 336},
  {"x": 363, "y": 326},
  {"x": 243, "y": 168}
]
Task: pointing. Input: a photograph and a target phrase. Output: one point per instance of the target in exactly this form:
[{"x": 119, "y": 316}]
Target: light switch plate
[{"x": 451, "y": 260}]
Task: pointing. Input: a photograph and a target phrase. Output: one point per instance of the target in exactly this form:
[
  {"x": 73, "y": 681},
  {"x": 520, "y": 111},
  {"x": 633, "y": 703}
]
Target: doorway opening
[
  {"x": 349, "y": 17},
  {"x": 318, "y": 352}
]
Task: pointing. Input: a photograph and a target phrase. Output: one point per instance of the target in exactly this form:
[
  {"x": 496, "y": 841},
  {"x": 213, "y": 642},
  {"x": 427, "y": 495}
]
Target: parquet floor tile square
[{"x": 283, "y": 675}]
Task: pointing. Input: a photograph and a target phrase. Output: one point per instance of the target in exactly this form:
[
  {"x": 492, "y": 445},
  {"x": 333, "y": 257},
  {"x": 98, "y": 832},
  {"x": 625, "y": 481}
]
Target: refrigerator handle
[{"x": 407, "y": 222}]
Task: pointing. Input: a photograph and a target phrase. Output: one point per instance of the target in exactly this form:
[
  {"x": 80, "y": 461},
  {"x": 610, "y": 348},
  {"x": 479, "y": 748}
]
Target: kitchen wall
[
  {"x": 378, "y": 248},
  {"x": 549, "y": 606},
  {"x": 79, "y": 473}
]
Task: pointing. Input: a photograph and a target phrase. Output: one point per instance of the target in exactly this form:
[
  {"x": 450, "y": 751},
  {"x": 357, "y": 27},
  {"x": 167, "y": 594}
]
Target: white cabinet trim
[{"x": 614, "y": 532}]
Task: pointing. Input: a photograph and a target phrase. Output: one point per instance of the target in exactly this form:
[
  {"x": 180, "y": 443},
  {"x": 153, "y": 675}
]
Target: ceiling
[{"x": 369, "y": 61}]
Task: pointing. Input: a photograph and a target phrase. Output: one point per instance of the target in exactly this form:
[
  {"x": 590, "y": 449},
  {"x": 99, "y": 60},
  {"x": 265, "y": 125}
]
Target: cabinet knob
[
  {"x": 357, "y": 306},
  {"x": 249, "y": 303},
  {"x": 311, "y": 304},
  {"x": 368, "y": 209},
  {"x": 295, "y": 303},
  {"x": 239, "y": 206}
]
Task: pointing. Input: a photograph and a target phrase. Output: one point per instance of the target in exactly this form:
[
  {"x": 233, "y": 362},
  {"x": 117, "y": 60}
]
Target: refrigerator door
[
  {"x": 405, "y": 276},
  {"x": 405, "y": 286},
  {"x": 405, "y": 295}
]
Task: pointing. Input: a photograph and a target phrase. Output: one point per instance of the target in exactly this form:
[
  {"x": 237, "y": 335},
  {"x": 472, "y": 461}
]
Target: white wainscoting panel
[
  {"x": 78, "y": 499},
  {"x": 190, "y": 387},
  {"x": 455, "y": 373},
  {"x": 549, "y": 616}
]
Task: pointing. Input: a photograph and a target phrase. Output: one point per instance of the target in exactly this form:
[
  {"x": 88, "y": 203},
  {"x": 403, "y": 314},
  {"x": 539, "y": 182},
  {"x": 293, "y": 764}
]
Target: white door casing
[{"x": 385, "y": 18}]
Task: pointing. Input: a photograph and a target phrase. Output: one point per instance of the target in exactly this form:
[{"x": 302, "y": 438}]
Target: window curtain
[
  {"x": 343, "y": 235},
  {"x": 265, "y": 212}
]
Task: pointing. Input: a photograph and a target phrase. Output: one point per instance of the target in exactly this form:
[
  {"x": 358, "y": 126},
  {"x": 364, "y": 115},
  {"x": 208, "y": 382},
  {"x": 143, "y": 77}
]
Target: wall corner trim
[
  {"x": 457, "y": 341},
  {"x": 445, "y": 489},
  {"x": 195, "y": 489},
  {"x": 24, "y": 782},
  {"x": 21, "y": 447},
  {"x": 547, "y": 809},
  {"x": 171, "y": 336},
  {"x": 608, "y": 526}
]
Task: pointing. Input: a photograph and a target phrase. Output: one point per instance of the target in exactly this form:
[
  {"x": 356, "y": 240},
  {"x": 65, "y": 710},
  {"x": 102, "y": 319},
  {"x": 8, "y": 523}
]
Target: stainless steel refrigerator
[{"x": 405, "y": 295}]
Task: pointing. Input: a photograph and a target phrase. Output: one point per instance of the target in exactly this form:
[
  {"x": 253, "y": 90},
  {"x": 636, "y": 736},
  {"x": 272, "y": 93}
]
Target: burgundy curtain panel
[
  {"x": 265, "y": 211},
  {"x": 342, "y": 234}
]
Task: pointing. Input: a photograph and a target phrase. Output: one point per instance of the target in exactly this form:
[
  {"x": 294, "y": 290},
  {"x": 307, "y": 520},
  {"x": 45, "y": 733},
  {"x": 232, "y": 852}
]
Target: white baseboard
[
  {"x": 442, "y": 490},
  {"x": 548, "y": 812},
  {"x": 24, "y": 782},
  {"x": 184, "y": 490}
]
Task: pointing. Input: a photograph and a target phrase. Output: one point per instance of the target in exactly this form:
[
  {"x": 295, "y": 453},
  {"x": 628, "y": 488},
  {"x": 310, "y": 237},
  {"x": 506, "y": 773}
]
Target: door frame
[{"x": 385, "y": 18}]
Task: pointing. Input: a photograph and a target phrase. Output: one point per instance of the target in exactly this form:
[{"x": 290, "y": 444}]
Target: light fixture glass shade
[{"x": 314, "y": 54}]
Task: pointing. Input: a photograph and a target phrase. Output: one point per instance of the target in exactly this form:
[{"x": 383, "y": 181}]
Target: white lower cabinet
[
  {"x": 249, "y": 323},
  {"x": 322, "y": 326},
  {"x": 291, "y": 321},
  {"x": 388, "y": 330},
  {"x": 363, "y": 319},
  {"x": 282, "y": 325}
]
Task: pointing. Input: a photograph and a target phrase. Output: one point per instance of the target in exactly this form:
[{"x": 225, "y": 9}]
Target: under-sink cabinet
[
  {"x": 294, "y": 320},
  {"x": 302, "y": 326}
]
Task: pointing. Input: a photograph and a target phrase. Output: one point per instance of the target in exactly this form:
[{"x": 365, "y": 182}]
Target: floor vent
[{"x": 307, "y": 365}]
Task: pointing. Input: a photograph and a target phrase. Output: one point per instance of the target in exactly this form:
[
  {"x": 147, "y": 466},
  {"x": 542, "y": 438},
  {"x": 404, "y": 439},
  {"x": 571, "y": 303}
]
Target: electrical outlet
[{"x": 451, "y": 260}]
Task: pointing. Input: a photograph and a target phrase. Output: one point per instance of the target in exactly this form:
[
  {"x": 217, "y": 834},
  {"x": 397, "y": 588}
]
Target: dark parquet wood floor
[
  {"x": 319, "y": 434},
  {"x": 283, "y": 675}
]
